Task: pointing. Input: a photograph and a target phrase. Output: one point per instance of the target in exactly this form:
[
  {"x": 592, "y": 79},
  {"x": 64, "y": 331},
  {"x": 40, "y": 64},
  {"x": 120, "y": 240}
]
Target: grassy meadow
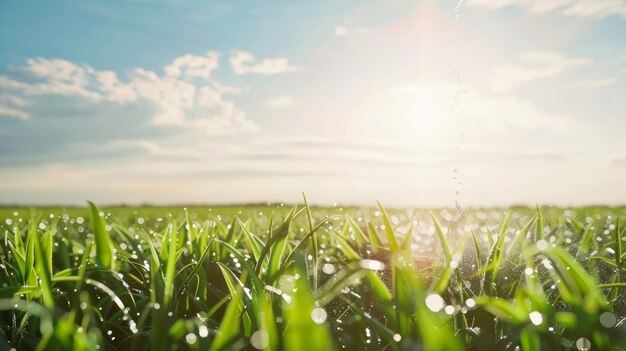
[{"x": 282, "y": 277}]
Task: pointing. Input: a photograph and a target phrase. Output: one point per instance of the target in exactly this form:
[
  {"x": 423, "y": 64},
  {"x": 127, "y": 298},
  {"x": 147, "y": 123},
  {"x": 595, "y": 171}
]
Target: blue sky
[{"x": 412, "y": 102}]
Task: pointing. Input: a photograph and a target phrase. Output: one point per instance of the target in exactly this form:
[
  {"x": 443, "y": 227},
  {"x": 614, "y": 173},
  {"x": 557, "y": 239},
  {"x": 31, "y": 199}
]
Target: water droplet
[
  {"x": 260, "y": 339},
  {"x": 319, "y": 315},
  {"x": 328, "y": 268},
  {"x": 583, "y": 344},
  {"x": 434, "y": 302},
  {"x": 608, "y": 320},
  {"x": 191, "y": 338},
  {"x": 372, "y": 265},
  {"x": 542, "y": 245},
  {"x": 535, "y": 318}
]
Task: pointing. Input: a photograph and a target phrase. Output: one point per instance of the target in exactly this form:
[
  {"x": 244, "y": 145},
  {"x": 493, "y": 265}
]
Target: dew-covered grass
[{"x": 298, "y": 278}]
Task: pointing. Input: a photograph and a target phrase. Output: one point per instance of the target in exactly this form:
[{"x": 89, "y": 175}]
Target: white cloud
[
  {"x": 115, "y": 90},
  {"x": 59, "y": 77},
  {"x": 190, "y": 66},
  {"x": 574, "y": 8},
  {"x": 143, "y": 144},
  {"x": 597, "y": 82},
  {"x": 13, "y": 113},
  {"x": 343, "y": 31},
  {"x": 177, "y": 99},
  {"x": 228, "y": 89},
  {"x": 14, "y": 100},
  {"x": 10, "y": 107},
  {"x": 531, "y": 66},
  {"x": 170, "y": 95},
  {"x": 243, "y": 62},
  {"x": 279, "y": 102}
]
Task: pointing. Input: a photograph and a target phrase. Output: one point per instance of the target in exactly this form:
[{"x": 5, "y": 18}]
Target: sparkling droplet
[
  {"x": 434, "y": 302},
  {"x": 328, "y": 268},
  {"x": 535, "y": 318},
  {"x": 470, "y": 302},
  {"x": 372, "y": 265},
  {"x": 191, "y": 338},
  {"x": 319, "y": 315}
]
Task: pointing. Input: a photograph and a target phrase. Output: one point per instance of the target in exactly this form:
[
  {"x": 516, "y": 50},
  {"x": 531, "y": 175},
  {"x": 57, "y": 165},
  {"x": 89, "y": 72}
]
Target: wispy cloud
[
  {"x": 344, "y": 30},
  {"x": 595, "y": 83},
  {"x": 533, "y": 65},
  {"x": 573, "y": 8},
  {"x": 13, "y": 113},
  {"x": 243, "y": 63},
  {"x": 279, "y": 102}
]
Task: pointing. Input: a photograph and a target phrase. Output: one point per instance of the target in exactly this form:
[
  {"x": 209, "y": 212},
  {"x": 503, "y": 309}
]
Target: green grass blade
[
  {"x": 104, "y": 246},
  {"x": 392, "y": 242}
]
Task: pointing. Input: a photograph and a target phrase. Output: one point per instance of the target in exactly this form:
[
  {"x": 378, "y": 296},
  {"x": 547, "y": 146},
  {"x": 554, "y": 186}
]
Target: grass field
[{"x": 299, "y": 278}]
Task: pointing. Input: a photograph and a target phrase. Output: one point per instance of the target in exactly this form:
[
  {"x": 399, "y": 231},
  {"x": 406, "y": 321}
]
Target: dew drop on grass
[
  {"x": 434, "y": 302},
  {"x": 8, "y": 221},
  {"x": 203, "y": 331},
  {"x": 470, "y": 303},
  {"x": 542, "y": 245},
  {"x": 608, "y": 320},
  {"x": 328, "y": 268},
  {"x": 528, "y": 271},
  {"x": 260, "y": 339},
  {"x": 191, "y": 338},
  {"x": 372, "y": 265},
  {"x": 535, "y": 318},
  {"x": 583, "y": 344},
  {"x": 319, "y": 315},
  {"x": 397, "y": 337},
  {"x": 547, "y": 264}
]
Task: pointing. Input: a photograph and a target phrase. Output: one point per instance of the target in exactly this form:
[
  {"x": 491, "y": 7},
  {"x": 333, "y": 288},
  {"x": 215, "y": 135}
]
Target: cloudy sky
[{"x": 411, "y": 102}]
